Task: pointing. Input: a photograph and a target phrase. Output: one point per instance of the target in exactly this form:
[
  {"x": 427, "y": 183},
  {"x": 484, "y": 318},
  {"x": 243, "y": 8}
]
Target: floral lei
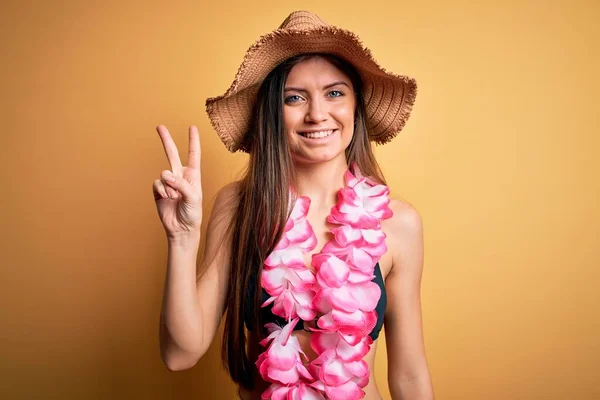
[{"x": 340, "y": 294}]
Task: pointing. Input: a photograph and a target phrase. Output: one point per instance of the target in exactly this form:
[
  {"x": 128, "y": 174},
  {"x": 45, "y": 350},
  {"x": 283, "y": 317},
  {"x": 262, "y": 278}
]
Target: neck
[{"x": 321, "y": 181}]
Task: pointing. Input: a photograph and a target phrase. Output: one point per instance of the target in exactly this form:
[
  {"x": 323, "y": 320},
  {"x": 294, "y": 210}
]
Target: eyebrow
[{"x": 324, "y": 87}]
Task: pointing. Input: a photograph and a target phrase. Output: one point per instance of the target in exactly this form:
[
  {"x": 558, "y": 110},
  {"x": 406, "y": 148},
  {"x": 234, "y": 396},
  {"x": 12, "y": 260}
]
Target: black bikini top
[{"x": 268, "y": 316}]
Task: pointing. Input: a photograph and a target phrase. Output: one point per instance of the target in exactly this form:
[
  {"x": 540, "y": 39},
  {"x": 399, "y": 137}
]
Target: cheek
[
  {"x": 345, "y": 114},
  {"x": 291, "y": 118}
]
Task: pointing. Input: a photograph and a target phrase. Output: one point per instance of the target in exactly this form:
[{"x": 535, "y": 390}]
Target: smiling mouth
[{"x": 317, "y": 135}]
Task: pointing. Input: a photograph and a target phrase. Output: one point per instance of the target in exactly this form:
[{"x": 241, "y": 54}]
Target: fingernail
[{"x": 169, "y": 176}]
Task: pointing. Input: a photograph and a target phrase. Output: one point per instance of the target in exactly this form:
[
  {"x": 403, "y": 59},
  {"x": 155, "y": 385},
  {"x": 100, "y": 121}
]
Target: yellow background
[{"x": 500, "y": 157}]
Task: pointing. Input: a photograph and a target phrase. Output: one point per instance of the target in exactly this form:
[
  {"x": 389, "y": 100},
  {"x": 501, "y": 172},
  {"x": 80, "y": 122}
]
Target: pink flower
[
  {"x": 282, "y": 362},
  {"x": 348, "y": 298},
  {"x": 275, "y": 280},
  {"x": 322, "y": 341},
  {"x": 346, "y": 235},
  {"x": 346, "y": 391},
  {"x": 331, "y": 271},
  {"x": 361, "y": 258},
  {"x": 290, "y": 290},
  {"x": 339, "y": 379},
  {"x": 300, "y": 392},
  {"x": 285, "y": 277},
  {"x": 298, "y": 238},
  {"x": 353, "y": 326},
  {"x": 362, "y": 203}
]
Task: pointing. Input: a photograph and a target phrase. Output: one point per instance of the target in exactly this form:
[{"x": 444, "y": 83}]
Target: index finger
[
  {"x": 170, "y": 150},
  {"x": 194, "y": 151}
]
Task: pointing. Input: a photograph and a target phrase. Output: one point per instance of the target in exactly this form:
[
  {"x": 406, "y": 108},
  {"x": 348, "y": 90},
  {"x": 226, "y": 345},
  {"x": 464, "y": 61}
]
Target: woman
[{"x": 311, "y": 223}]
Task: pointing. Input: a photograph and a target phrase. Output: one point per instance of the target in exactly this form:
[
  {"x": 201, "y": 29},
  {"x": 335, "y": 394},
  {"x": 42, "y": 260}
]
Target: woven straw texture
[{"x": 388, "y": 97}]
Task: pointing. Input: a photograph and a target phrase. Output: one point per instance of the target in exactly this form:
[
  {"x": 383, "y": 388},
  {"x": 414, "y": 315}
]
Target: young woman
[{"x": 306, "y": 256}]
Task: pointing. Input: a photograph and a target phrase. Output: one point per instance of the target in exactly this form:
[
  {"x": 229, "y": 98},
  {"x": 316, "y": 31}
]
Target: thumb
[{"x": 178, "y": 183}]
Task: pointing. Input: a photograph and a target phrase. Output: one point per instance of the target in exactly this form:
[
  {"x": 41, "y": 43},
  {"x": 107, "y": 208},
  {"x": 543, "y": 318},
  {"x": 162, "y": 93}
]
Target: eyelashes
[
  {"x": 292, "y": 99},
  {"x": 296, "y": 98}
]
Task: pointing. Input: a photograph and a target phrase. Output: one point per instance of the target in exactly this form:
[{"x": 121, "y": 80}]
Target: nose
[{"x": 316, "y": 112}]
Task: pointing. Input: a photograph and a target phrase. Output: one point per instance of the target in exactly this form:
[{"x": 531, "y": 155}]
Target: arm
[
  {"x": 408, "y": 372},
  {"x": 193, "y": 306}
]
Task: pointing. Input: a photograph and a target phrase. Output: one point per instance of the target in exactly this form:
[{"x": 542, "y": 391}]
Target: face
[{"x": 318, "y": 111}]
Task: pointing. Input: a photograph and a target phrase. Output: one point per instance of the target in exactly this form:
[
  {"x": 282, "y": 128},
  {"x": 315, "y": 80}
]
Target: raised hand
[{"x": 178, "y": 192}]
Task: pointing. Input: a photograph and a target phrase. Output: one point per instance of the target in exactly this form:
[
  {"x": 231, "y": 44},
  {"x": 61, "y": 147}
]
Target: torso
[{"x": 317, "y": 219}]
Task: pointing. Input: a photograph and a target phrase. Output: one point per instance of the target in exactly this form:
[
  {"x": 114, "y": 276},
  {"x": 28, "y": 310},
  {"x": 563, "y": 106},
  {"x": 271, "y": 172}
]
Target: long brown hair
[{"x": 264, "y": 201}]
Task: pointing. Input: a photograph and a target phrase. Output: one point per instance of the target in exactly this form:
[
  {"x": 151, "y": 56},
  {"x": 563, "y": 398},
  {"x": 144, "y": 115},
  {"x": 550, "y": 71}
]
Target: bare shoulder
[
  {"x": 226, "y": 200},
  {"x": 406, "y": 218},
  {"x": 229, "y": 192},
  {"x": 221, "y": 216},
  {"x": 404, "y": 231},
  {"x": 218, "y": 232}
]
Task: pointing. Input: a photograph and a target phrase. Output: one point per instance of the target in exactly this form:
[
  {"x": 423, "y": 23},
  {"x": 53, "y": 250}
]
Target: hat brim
[{"x": 388, "y": 97}]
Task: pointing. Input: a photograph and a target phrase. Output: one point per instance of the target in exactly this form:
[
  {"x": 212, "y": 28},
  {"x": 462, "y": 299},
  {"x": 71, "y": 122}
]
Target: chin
[{"x": 317, "y": 157}]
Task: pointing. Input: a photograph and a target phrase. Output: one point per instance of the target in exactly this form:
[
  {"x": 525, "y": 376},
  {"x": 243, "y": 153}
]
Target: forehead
[{"x": 315, "y": 71}]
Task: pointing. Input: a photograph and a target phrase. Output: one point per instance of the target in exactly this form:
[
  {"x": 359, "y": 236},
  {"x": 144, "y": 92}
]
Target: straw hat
[{"x": 388, "y": 97}]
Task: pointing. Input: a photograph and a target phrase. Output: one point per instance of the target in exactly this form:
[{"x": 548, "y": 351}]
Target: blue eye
[
  {"x": 335, "y": 93},
  {"x": 292, "y": 99}
]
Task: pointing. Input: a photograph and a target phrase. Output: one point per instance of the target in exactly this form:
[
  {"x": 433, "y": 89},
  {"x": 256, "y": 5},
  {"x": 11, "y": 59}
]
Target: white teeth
[{"x": 317, "y": 135}]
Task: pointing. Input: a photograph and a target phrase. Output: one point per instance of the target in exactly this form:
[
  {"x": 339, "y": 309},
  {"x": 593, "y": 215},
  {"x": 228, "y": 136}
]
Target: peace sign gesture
[{"x": 178, "y": 192}]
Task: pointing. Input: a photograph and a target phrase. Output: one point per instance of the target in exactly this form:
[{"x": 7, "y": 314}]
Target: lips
[{"x": 317, "y": 134}]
